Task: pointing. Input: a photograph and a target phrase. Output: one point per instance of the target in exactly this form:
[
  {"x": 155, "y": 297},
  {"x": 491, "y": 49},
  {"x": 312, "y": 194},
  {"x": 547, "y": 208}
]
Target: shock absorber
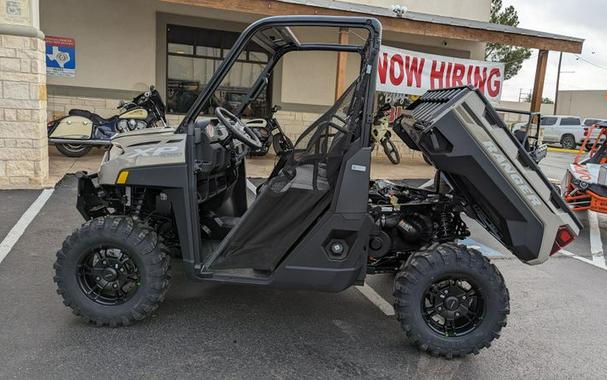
[
  {"x": 138, "y": 200},
  {"x": 445, "y": 220}
]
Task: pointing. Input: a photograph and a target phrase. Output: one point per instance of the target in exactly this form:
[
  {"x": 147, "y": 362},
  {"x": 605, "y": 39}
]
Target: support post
[
  {"x": 23, "y": 140},
  {"x": 538, "y": 83},
  {"x": 558, "y": 81},
  {"x": 342, "y": 62}
]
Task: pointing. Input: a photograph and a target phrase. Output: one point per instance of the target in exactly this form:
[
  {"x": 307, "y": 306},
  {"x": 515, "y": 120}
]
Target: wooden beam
[
  {"x": 399, "y": 25},
  {"x": 342, "y": 63},
  {"x": 538, "y": 83}
]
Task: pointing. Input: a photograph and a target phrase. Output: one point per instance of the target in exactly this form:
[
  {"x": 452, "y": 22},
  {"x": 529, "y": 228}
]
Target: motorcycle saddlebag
[{"x": 503, "y": 188}]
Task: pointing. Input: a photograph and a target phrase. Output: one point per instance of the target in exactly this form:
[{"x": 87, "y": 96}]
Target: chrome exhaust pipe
[{"x": 79, "y": 142}]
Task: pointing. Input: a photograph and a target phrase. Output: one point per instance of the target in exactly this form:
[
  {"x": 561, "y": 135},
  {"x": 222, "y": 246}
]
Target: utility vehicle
[
  {"x": 318, "y": 222},
  {"x": 565, "y": 130},
  {"x": 584, "y": 186}
]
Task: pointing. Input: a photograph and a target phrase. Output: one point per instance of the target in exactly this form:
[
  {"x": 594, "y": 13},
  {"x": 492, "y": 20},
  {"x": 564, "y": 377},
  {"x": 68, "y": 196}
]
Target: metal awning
[
  {"x": 434, "y": 19},
  {"x": 412, "y": 22}
]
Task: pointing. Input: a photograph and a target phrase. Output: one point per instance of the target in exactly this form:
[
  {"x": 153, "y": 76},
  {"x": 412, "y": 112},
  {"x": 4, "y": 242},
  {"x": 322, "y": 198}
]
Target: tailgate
[{"x": 505, "y": 191}]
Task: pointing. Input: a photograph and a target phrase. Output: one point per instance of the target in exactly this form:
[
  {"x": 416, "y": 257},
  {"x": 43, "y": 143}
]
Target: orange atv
[{"x": 584, "y": 186}]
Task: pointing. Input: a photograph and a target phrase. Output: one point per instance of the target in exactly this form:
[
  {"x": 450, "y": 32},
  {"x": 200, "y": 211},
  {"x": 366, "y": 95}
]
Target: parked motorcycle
[
  {"x": 75, "y": 135},
  {"x": 380, "y": 133},
  {"x": 269, "y": 133}
]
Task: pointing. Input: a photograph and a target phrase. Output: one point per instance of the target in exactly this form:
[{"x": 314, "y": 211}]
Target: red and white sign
[{"x": 413, "y": 73}]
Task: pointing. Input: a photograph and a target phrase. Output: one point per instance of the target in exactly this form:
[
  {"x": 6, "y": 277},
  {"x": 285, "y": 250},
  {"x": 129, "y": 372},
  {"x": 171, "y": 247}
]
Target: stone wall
[
  {"x": 59, "y": 105},
  {"x": 23, "y": 140}
]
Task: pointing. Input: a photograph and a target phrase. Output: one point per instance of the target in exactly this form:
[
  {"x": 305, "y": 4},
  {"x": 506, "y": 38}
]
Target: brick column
[{"x": 23, "y": 139}]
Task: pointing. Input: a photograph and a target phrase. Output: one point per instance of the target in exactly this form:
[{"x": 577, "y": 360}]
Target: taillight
[{"x": 563, "y": 237}]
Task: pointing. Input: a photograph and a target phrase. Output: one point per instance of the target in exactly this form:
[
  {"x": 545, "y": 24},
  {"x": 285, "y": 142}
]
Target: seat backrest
[{"x": 296, "y": 196}]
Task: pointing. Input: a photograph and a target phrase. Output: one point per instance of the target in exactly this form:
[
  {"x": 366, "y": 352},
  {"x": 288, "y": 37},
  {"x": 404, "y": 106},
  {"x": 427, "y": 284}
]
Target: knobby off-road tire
[
  {"x": 73, "y": 150},
  {"x": 127, "y": 250},
  {"x": 415, "y": 286}
]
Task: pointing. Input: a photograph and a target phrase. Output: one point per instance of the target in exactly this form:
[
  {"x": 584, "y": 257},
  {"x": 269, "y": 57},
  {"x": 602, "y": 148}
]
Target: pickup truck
[
  {"x": 565, "y": 130},
  {"x": 588, "y": 123}
]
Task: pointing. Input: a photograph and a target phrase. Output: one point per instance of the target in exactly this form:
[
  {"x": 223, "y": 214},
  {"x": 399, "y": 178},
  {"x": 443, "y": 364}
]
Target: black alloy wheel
[
  {"x": 108, "y": 276},
  {"x": 453, "y": 306}
]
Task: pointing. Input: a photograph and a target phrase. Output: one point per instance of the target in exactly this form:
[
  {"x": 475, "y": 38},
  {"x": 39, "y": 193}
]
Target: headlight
[{"x": 584, "y": 185}]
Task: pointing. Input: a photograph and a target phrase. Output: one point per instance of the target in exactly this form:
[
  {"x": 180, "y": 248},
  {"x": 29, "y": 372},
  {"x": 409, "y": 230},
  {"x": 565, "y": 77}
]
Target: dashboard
[{"x": 222, "y": 149}]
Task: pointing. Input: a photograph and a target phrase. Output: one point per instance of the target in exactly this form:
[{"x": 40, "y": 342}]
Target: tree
[
  {"x": 545, "y": 100},
  {"x": 511, "y": 56}
]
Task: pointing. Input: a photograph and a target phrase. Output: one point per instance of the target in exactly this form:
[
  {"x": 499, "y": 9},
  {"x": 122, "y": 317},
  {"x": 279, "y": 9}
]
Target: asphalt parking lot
[{"x": 555, "y": 330}]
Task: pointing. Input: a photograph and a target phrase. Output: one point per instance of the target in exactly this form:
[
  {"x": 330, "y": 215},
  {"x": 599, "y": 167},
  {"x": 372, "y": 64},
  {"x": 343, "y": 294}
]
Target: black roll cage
[
  {"x": 283, "y": 41},
  {"x": 188, "y": 222}
]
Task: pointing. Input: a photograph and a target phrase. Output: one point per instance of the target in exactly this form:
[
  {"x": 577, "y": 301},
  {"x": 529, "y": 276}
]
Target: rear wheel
[
  {"x": 568, "y": 142},
  {"x": 451, "y": 301},
  {"x": 73, "y": 150},
  {"x": 112, "y": 271},
  {"x": 391, "y": 151}
]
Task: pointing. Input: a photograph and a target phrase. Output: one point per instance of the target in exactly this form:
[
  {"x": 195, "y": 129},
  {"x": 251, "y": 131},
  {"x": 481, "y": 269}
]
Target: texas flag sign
[{"x": 60, "y": 57}]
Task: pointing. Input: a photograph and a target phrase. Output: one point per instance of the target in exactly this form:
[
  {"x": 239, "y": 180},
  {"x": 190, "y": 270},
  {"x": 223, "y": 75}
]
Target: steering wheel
[{"x": 239, "y": 130}]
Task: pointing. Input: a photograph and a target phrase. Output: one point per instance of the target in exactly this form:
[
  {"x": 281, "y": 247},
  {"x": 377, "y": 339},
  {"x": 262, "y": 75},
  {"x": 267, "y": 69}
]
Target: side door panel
[{"x": 551, "y": 129}]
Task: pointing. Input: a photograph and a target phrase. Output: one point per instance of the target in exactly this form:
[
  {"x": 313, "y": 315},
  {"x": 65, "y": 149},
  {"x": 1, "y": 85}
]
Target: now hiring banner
[{"x": 413, "y": 73}]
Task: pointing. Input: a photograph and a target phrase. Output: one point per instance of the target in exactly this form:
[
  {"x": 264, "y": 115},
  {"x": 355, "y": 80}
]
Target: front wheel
[
  {"x": 391, "y": 151},
  {"x": 73, "y": 150},
  {"x": 112, "y": 271},
  {"x": 451, "y": 301},
  {"x": 568, "y": 142},
  {"x": 281, "y": 143}
]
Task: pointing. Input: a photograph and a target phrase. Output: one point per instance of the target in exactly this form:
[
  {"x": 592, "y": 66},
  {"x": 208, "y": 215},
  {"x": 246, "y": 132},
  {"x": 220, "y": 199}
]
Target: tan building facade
[
  {"x": 122, "y": 47},
  {"x": 585, "y": 103}
]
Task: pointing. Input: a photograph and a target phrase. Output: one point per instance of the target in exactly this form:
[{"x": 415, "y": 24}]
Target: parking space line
[
  {"x": 19, "y": 228},
  {"x": 376, "y": 299},
  {"x": 583, "y": 259},
  {"x": 485, "y": 250},
  {"x": 252, "y": 188},
  {"x": 596, "y": 244}
]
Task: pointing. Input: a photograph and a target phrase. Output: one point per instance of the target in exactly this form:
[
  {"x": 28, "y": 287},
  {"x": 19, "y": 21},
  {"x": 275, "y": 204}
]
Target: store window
[{"x": 193, "y": 55}]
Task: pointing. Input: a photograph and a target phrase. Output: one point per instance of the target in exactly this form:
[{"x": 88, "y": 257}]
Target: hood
[{"x": 148, "y": 147}]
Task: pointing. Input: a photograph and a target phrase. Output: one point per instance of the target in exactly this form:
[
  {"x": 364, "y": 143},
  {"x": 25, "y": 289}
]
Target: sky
[{"x": 585, "y": 19}]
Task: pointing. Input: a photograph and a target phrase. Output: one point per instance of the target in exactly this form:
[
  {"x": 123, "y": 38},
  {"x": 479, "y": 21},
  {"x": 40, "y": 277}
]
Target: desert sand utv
[{"x": 317, "y": 222}]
